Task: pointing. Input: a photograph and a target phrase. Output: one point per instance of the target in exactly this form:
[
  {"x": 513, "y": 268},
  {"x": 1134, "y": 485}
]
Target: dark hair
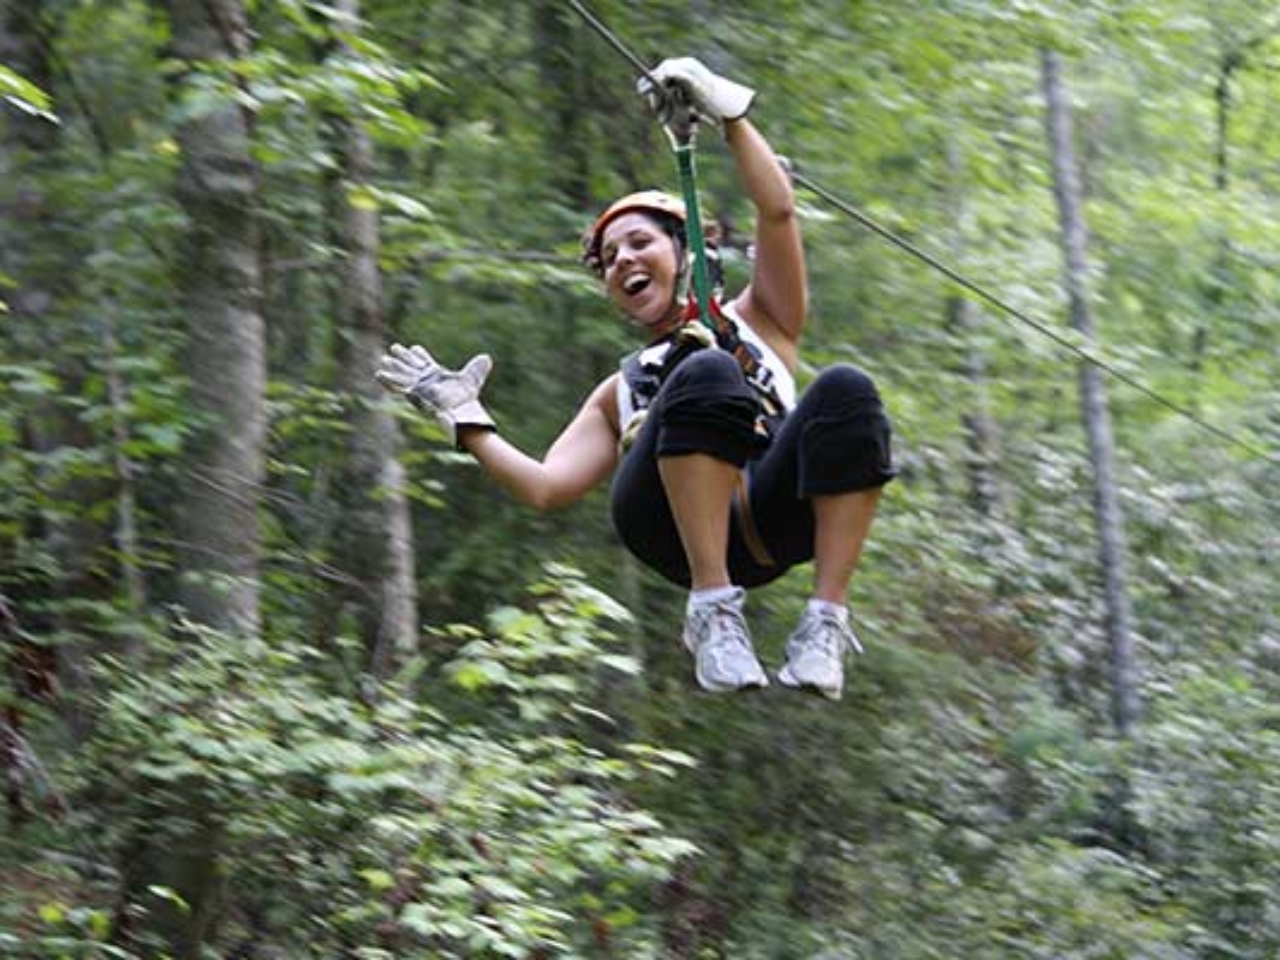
[{"x": 671, "y": 225}]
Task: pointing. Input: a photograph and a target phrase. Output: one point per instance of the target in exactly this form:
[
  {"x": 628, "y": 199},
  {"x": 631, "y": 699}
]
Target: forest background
[{"x": 284, "y": 678}]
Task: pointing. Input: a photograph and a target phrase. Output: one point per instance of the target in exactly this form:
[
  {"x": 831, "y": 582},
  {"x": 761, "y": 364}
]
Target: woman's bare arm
[
  {"x": 777, "y": 296},
  {"x": 583, "y": 456}
]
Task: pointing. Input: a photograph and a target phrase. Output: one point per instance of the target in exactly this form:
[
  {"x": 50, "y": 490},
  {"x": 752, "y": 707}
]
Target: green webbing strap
[
  {"x": 681, "y": 128},
  {"x": 681, "y": 125},
  {"x": 693, "y": 228}
]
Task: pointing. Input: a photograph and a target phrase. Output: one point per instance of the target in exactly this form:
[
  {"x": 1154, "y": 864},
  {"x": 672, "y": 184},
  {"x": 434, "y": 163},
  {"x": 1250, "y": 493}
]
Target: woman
[{"x": 726, "y": 480}]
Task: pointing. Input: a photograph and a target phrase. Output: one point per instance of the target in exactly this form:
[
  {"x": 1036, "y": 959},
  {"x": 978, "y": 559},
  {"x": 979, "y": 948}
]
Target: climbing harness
[
  {"x": 643, "y": 372},
  {"x": 685, "y": 160},
  {"x": 706, "y": 322}
]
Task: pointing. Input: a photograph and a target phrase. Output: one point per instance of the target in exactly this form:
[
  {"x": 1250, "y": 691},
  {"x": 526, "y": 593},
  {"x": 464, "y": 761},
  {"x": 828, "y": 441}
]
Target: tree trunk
[
  {"x": 1093, "y": 400},
  {"x": 1216, "y": 281},
  {"x": 126, "y": 514},
  {"x": 981, "y": 454},
  {"x": 375, "y": 525},
  {"x": 222, "y": 290},
  {"x": 564, "y": 73},
  {"x": 225, "y": 463},
  {"x": 42, "y": 255},
  {"x": 1227, "y": 67},
  {"x": 1231, "y": 62}
]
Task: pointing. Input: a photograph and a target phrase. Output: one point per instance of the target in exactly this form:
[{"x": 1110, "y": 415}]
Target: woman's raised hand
[
  {"x": 715, "y": 98},
  {"x": 451, "y": 396}
]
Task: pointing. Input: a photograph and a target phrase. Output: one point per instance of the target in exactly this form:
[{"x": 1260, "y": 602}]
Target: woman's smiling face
[{"x": 640, "y": 273}]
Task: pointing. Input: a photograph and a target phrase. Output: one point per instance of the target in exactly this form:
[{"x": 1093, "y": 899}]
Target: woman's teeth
[{"x": 634, "y": 284}]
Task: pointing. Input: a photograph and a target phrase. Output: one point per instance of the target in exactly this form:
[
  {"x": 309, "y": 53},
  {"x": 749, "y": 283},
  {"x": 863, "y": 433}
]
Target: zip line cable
[
  {"x": 614, "y": 42},
  {"x": 1060, "y": 339},
  {"x": 956, "y": 277}
]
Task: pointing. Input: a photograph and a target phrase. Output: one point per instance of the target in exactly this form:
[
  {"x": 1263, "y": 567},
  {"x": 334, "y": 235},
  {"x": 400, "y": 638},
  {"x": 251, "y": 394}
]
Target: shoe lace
[
  {"x": 725, "y": 626},
  {"x": 829, "y": 634}
]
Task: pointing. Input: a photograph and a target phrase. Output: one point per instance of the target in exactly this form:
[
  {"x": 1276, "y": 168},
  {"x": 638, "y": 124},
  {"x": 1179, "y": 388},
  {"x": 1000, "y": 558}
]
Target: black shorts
[{"x": 836, "y": 440}]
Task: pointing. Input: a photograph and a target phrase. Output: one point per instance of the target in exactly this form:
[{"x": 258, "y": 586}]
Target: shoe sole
[
  {"x": 787, "y": 680},
  {"x": 709, "y": 687},
  {"x": 730, "y": 688}
]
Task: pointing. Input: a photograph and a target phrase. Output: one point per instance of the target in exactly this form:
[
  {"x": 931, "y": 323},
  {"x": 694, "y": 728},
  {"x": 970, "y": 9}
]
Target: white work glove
[
  {"x": 713, "y": 97},
  {"x": 451, "y": 396}
]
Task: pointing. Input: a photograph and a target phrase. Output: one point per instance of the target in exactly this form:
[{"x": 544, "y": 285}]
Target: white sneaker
[
  {"x": 815, "y": 653},
  {"x": 716, "y": 634}
]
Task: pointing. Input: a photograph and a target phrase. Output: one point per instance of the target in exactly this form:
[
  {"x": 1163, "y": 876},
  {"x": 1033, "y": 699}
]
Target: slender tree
[
  {"x": 1232, "y": 59},
  {"x": 1093, "y": 399},
  {"x": 42, "y": 253},
  {"x": 222, "y": 289},
  {"x": 377, "y": 536},
  {"x": 564, "y": 75},
  {"x": 981, "y": 454}
]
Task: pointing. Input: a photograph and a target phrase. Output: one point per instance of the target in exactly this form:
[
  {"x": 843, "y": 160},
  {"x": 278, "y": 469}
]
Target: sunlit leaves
[
  {"x": 460, "y": 836},
  {"x": 24, "y": 95}
]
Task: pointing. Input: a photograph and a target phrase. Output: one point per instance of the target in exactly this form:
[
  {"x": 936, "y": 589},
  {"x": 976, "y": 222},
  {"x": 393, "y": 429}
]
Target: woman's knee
[
  {"x": 846, "y": 435},
  {"x": 707, "y": 406},
  {"x": 845, "y": 383},
  {"x": 712, "y": 370}
]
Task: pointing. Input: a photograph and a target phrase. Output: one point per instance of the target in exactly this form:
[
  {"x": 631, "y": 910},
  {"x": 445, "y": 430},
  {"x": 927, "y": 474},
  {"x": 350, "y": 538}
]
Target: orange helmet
[{"x": 643, "y": 201}]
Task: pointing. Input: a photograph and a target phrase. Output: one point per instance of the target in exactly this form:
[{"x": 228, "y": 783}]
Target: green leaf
[
  {"x": 26, "y": 96},
  {"x": 474, "y": 675},
  {"x": 378, "y": 880},
  {"x": 171, "y": 895},
  {"x": 451, "y": 888}
]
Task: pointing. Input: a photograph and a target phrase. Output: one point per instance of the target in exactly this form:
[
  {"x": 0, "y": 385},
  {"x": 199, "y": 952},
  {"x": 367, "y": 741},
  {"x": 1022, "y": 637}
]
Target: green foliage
[
  {"x": 387, "y": 825},
  {"x": 540, "y": 781},
  {"x": 1206, "y": 793}
]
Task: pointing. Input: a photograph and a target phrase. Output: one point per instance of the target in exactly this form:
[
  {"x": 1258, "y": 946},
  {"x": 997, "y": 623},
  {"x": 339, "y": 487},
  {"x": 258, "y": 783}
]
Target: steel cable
[{"x": 955, "y": 276}]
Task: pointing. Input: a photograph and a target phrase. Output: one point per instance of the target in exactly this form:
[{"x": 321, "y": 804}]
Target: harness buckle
[
  {"x": 695, "y": 333},
  {"x": 631, "y": 430}
]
